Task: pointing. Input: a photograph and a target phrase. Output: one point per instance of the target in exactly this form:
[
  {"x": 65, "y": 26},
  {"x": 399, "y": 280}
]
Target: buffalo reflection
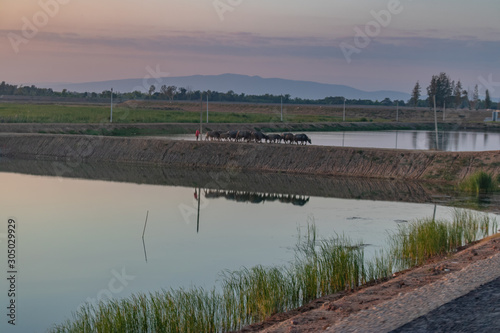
[{"x": 256, "y": 198}]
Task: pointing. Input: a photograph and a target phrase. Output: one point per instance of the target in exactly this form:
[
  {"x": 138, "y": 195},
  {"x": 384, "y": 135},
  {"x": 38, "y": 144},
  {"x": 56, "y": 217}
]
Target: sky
[{"x": 369, "y": 44}]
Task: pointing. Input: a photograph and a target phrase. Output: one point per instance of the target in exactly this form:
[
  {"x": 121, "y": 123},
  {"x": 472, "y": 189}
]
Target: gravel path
[
  {"x": 478, "y": 311},
  {"x": 405, "y": 308}
]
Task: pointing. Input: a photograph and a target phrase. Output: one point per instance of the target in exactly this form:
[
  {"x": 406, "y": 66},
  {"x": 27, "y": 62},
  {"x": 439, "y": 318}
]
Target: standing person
[{"x": 197, "y": 134}]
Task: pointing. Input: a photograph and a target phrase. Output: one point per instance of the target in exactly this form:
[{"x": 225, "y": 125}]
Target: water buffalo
[
  {"x": 275, "y": 138},
  {"x": 212, "y": 135},
  {"x": 232, "y": 135},
  {"x": 258, "y": 136},
  {"x": 224, "y": 136},
  {"x": 288, "y": 137},
  {"x": 243, "y": 135},
  {"x": 301, "y": 138}
]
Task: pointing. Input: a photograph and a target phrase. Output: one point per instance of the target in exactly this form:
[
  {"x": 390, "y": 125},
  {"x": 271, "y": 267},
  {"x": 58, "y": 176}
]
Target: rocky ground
[{"x": 409, "y": 295}]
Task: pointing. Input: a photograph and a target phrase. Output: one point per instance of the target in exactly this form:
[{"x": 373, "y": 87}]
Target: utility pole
[
  {"x": 436, "y": 123},
  {"x": 111, "y": 116},
  {"x": 343, "y": 118},
  {"x": 397, "y": 111},
  {"x": 207, "y": 107},
  {"x": 281, "y": 108},
  {"x": 201, "y": 115}
]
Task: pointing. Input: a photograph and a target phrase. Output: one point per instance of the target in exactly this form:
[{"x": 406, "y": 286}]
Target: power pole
[
  {"x": 111, "y": 116},
  {"x": 343, "y": 118},
  {"x": 207, "y": 107},
  {"x": 436, "y": 123},
  {"x": 201, "y": 115},
  {"x": 397, "y": 111},
  {"x": 281, "y": 108}
]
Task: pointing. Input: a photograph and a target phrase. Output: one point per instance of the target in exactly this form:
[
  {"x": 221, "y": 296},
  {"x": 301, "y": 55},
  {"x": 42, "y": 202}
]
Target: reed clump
[
  {"x": 320, "y": 267},
  {"x": 414, "y": 243},
  {"x": 479, "y": 182}
]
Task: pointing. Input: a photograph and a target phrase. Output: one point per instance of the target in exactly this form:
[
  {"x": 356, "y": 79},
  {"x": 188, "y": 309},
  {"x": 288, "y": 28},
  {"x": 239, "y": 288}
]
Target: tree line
[
  {"x": 173, "y": 93},
  {"x": 447, "y": 92},
  {"x": 450, "y": 94}
]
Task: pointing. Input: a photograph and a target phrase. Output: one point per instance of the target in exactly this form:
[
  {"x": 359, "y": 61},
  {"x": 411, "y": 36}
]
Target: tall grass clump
[
  {"x": 479, "y": 182},
  {"x": 320, "y": 267},
  {"x": 418, "y": 241}
]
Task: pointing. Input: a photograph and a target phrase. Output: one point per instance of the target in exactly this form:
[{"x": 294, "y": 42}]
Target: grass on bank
[
  {"x": 479, "y": 182},
  {"x": 95, "y": 114},
  {"x": 420, "y": 240},
  {"x": 320, "y": 267}
]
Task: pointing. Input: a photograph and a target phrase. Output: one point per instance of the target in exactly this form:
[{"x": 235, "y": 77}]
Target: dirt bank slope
[
  {"x": 317, "y": 160},
  {"x": 222, "y": 180}
]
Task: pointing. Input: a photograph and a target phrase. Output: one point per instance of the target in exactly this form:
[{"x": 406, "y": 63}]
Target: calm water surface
[
  {"x": 79, "y": 240},
  {"x": 421, "y": 140}
]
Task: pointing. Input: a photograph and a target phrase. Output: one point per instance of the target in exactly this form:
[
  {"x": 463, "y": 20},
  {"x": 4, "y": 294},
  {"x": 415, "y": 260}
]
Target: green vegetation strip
[
  {"x": 320, "y": 267},
  {"x": 95, "y": 114},
  {"x": 479, "y": 182}
]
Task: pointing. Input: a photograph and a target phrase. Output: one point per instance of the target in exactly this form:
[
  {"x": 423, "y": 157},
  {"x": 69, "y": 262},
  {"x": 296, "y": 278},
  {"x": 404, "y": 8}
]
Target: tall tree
[
  {"x": 466, "y": 99},
  {"x": 415, "y": 94},
  {"x": 457, "y": 93},
  {"x": 487, "y": 100},
  {"x": 171, "y": 91},
  {"x": 152, "y": 89},
  {"x": 475, "y": 98},
  {"x": 440, "y": 87},
  {"x": 163, "y": 91}
]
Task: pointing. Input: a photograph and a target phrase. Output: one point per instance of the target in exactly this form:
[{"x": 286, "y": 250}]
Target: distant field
[
  {"x": 132, "y": 111},
  {"x": 81, "y": 113}
]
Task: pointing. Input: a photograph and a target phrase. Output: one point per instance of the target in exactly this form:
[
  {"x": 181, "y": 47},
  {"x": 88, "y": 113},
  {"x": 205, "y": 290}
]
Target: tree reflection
[{"x": 256, "y": 197}]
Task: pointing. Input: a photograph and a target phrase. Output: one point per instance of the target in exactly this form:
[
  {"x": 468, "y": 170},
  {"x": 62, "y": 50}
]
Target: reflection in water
[
  {"x": 306, "y": 185},
  {"x": 197, "y": 197},
  {"x": 143, "y": 242},
  {"x": 57, "y": 280},
  {"x": 455, "y": 141},
  {"x": 256, "y": 198}
]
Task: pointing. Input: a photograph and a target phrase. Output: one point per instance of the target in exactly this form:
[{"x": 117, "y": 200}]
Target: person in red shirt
[{"x": 197, "y": 134}]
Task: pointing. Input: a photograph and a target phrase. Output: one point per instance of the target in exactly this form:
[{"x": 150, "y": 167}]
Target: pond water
[
  {"x": 421, "y": 140},
  {"x": 82, "y": 240}
]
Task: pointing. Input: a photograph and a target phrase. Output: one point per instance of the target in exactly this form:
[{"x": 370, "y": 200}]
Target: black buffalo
[
  {"x": 232, "y": 135},
  {"x": 275, "y": 138},
  {"x": 212, "y": 135},
  {"x": 243, "y": 135},
  {"x": 258, "y": 136},
  {"x": 301, "y": 138},
  {"x": 288, "y": 137}
]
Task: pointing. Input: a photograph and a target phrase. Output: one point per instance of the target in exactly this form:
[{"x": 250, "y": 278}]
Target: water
[
  {"x": 421, "y": 140},
  {"x": 80, "y": 240}
]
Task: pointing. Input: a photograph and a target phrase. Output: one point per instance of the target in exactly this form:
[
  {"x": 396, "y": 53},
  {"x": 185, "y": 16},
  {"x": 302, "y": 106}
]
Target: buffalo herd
[{"x": 257, "y": 136}]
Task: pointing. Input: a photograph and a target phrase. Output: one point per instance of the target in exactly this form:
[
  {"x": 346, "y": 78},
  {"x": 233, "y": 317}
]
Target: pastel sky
[{"x": 91, "y": 40}]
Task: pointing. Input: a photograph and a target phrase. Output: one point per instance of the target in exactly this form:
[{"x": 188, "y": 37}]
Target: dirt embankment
[
  {"x": 223, "y": 181},
  {"x": 314, "y": 160}
]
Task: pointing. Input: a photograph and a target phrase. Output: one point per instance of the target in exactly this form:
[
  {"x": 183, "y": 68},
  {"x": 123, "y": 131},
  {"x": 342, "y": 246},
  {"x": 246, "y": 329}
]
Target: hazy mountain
[{"x": 250, "y": 85}]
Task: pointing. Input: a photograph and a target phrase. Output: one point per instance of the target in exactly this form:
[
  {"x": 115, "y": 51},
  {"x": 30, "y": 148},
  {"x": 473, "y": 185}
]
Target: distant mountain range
[{"x": 250, "y": 85}]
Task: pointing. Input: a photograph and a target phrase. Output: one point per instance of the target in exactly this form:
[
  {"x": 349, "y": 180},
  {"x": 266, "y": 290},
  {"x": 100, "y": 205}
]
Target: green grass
[
  {"x": 479, "y": 182},
  {"x": 320, "y": 267},
  {"x": 55, "y": 113},
  {"x": 421, "y": 240}
]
